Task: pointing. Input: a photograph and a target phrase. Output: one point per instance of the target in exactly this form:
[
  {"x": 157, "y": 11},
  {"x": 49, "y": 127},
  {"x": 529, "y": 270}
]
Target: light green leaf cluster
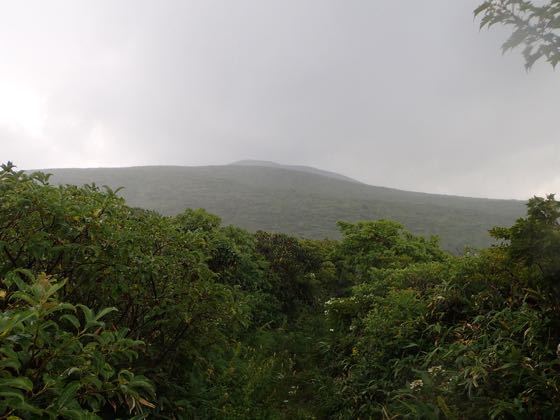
[{"x": 58, "y": 360}]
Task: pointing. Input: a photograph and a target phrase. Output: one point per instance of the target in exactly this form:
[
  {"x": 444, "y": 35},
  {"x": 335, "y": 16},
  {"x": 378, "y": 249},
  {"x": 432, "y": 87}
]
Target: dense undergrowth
[{"x": 110, "y": 311}]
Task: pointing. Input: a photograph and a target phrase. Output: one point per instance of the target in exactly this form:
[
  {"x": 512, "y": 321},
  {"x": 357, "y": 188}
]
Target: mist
[{"x": 409, "y": 95}]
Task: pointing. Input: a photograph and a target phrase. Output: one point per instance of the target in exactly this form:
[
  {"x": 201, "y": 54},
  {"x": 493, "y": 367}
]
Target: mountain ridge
[
  {"x": 302, "y": 168},
  {"x": 305, "y": 203}
]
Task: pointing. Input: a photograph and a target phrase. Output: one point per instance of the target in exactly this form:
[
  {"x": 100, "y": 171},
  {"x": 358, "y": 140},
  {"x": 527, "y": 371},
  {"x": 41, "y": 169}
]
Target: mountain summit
[{"x": 299, "y": 200}]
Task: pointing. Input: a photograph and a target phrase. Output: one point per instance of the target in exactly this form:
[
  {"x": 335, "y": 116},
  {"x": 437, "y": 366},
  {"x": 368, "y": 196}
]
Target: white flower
[
  {"x": 434, "y": 370},
  {"x": 416, "y": 384},
  {"x": 331, "y": 329}
]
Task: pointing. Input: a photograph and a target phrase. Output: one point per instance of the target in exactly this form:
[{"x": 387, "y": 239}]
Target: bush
[{"x": 60, "y": 360}]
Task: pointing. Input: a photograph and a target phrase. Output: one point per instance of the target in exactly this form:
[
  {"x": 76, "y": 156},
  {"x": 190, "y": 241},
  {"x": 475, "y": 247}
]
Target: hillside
[
  {"x": 302, "y": 202},
  {"x": 300, "y": 168}
]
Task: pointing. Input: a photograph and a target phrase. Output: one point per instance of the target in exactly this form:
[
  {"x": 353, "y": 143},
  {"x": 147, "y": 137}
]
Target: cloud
[{"x": 408, "y": 95}]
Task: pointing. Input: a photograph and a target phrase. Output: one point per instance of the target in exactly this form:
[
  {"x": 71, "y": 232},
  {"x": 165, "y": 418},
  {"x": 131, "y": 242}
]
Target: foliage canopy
[{"x": 108, "y": 311}]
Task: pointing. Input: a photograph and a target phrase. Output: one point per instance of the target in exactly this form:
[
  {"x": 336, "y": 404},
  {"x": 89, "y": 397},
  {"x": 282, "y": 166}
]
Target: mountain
[
  {"x": 298, "y": 200},
  {"x": 307, "y": 169}
]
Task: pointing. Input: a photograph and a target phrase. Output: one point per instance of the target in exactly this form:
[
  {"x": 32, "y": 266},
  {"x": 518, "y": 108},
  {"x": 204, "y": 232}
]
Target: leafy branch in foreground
[
  {"x": 59, "y": 360},
  {"x": 535, "y": 26}
]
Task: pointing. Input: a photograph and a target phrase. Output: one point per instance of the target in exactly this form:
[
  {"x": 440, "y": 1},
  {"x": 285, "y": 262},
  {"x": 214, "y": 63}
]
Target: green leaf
[
  {"x": 88, "y": 314},
  {"x": 55, "y": 288},
  {"x": 72, "y": 319},
  {"x": 19, "y": 382},
  {"x": 482, "y": 8},
  {"x": 68, "y": 393},
  {"x": 74, "y": 414},
  {"x": 28, "y": 408},
  {"x": 13, "y": 394},
  {"x": 411, "y": 345},
  {"x": 445, "y": 408},
  {"x": 73, "y": 370},
  {"x": 10, "y": 363},
  {"x": 515, "y": 39},
  {"x": 26, "y": 297},
  {"x": 104, "y": 312}
]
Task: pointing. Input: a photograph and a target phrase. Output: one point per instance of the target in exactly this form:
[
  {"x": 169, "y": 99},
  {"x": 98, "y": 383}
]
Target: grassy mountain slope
[
  {"x": 299, "y": 202},
  {"x": 300, "y": 168}
]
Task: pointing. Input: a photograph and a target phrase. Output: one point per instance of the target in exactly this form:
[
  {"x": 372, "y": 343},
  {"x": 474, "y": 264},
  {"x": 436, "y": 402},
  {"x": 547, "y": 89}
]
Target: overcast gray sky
[{"x": 407, "y": 94}]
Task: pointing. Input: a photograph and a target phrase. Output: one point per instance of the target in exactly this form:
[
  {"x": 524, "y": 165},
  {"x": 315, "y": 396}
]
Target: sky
[{"x": 403, "y": 94}]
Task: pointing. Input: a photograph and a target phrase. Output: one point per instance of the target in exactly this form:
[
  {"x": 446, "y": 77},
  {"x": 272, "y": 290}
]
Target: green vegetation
[
  {"x": 535, "y": 26},
  {"x": 299, "y": 201},
  {"x": 55, "y": 365},
  {"x": 110, "y": 311}
]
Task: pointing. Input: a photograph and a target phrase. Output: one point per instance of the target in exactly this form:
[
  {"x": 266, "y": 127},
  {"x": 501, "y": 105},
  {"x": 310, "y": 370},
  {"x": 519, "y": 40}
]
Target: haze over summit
[{"x": 438, "y": 109}]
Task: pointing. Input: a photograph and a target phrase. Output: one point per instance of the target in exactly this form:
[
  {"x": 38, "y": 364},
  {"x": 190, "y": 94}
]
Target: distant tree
[
  {"x": 198, "y": 220},
  {"x": 382, "y": 244},
  {"x": 535, "y": 25},
  {"x": 534, "y": 242}
]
